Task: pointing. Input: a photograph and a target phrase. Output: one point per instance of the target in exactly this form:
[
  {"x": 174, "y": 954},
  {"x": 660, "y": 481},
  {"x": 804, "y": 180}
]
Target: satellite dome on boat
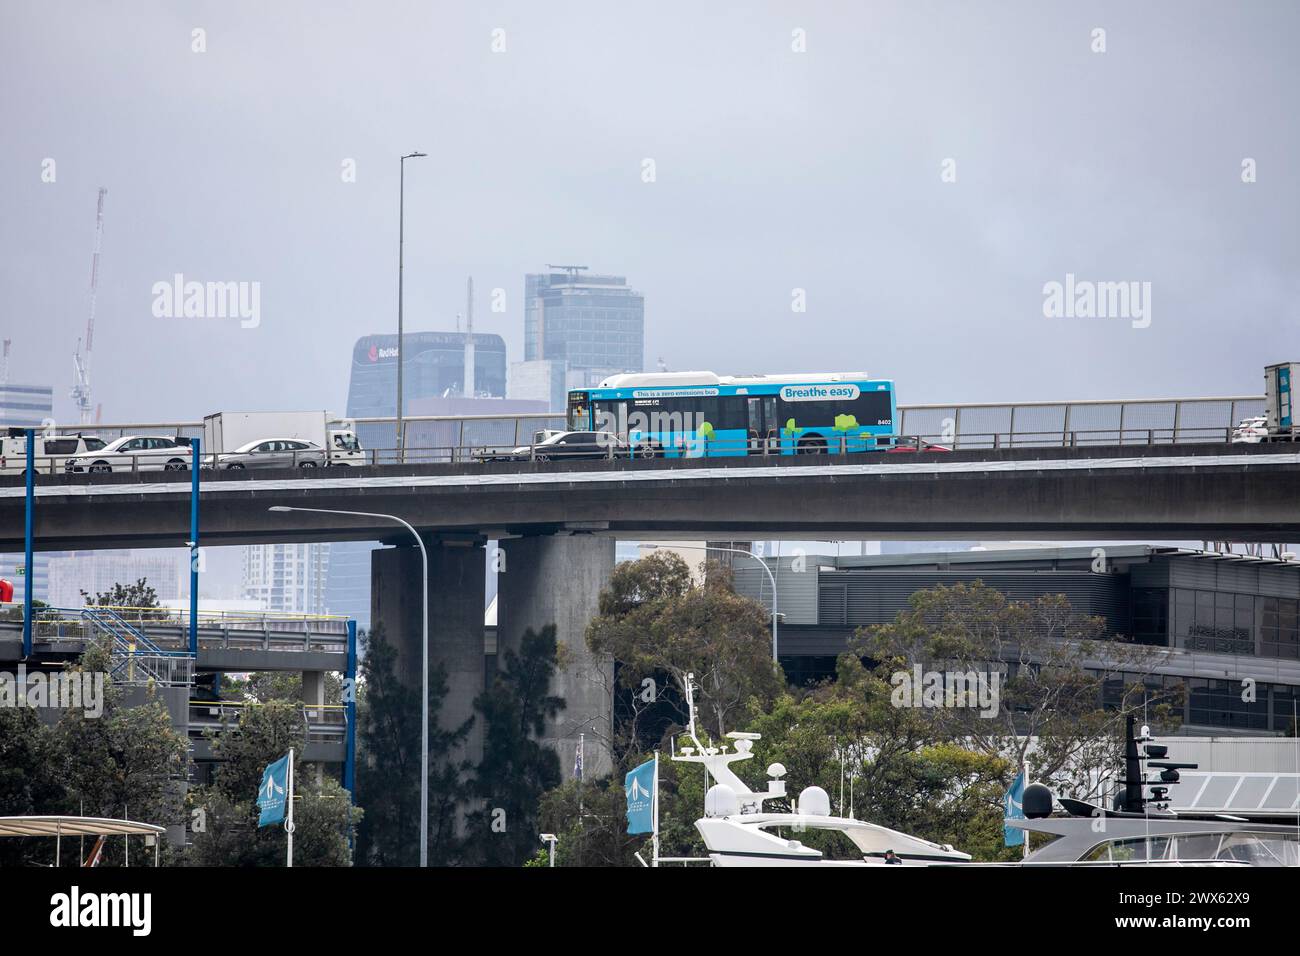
[
  {"x": 1036, "y": 801},
  {"x": 721, "y": 801},
  {"x": 814, "y": 802}
]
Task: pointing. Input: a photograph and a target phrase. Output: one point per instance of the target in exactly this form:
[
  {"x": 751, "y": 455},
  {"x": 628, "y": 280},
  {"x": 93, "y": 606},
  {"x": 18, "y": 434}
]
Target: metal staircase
[{"x": 134, "y": 658}]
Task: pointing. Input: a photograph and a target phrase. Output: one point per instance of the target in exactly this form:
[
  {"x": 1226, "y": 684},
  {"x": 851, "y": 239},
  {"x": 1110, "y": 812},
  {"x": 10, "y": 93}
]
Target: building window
[
  {"x": 1151, "y": 616},
  {"x": 1279, "y": 630},
  {"x": 1214, "y": 621},
  {"x": 1216, "y": 703}
]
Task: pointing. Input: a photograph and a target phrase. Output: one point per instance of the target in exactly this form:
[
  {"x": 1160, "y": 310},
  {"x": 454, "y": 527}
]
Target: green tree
[
  {"x": 654, "y": 619},
  {"x": 1052, "y": 665},
  {"x": 31, "y": 781},
  {"x": 388, "y": 764},
  {"x": 228, "y": 834},
  {"x": 126, "y": 759},
  {"x": 516, "y": 767},
  {"x": 137, "y": 596}
]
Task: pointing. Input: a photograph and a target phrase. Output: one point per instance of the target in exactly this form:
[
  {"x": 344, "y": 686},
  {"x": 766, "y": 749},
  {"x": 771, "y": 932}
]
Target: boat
[
  {"x": 738, "y": 831},
  {"x": 1140, "y": 829}
]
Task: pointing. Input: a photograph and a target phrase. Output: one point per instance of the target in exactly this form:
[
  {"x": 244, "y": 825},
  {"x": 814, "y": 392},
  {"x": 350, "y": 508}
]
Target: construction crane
[
  {"x": 468, "y": 386},
  {"x": 80, "y": 361}
]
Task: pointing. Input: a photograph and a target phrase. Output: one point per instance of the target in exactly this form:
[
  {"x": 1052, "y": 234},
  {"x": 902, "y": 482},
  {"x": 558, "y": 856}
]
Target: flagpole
[
  {"x": 288, "y": 819},
  {"x": 1025, "y": 770},
  {"x": 654, "y": 814}
]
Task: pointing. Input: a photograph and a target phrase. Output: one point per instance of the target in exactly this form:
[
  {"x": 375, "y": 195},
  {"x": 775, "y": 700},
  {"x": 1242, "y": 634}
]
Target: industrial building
[{"x": 1223, "y": 617}]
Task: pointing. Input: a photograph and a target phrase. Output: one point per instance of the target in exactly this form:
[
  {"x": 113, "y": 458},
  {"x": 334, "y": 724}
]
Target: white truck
[
  {"x": 51, "y": 451},
  {"x": 1278, "y": 423},
  {"x": 227, "y": 434}
]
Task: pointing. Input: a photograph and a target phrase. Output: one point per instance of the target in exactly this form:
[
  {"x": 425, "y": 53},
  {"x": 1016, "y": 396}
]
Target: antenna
[
  {"x": 469, "y": 338},
  {"x": 80, "y": 363}
]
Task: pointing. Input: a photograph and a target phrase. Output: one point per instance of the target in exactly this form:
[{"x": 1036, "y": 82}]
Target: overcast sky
[{"x": 774, "y": 170}]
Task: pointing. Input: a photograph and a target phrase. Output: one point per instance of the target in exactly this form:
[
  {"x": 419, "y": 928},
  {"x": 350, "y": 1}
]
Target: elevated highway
[{"x": 1219, "y": 492}]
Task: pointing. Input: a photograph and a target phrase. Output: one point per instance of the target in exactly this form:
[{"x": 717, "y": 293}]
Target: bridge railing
[
  {"x": 167, "y": 629},
  {"x": 463, "y": 438},
  {"x": 326, "y": 723}
]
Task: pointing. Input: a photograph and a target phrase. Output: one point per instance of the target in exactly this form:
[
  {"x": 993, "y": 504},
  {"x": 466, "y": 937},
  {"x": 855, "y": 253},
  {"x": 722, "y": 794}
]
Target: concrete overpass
[
  {"x": 1220, "y": 492},
  {"x": 557, "y": 523}
]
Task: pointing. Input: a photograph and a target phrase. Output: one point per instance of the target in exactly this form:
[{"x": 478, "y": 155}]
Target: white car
[
  {"x": 1251, "y": 431},
  {"x": 275, "y": 453},
  {"x": 134, "y": 453}
]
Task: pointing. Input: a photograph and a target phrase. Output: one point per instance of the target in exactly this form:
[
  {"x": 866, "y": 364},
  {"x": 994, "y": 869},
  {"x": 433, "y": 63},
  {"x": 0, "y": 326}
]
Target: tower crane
[{"x": 80, "y": 360}]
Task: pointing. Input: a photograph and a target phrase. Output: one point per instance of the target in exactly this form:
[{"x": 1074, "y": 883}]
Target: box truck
[{"x": 225, "y": 433}]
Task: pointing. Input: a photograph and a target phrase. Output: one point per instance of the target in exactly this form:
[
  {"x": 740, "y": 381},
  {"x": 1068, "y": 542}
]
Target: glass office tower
[
  {"x": 592, "y": 323},
  {"x": 434, "y": 368}
]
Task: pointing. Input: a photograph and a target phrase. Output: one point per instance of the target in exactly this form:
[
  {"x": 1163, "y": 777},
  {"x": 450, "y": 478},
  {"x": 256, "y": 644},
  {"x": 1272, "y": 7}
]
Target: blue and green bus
[{"x": 701, "y": 414}]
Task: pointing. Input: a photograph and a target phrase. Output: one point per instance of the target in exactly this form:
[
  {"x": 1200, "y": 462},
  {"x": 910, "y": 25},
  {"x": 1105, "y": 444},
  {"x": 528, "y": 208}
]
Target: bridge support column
[
  {"x": 556, "y": 579},
  {"x": 456, "y": 596},
  {"x": 313, "y": 700}
]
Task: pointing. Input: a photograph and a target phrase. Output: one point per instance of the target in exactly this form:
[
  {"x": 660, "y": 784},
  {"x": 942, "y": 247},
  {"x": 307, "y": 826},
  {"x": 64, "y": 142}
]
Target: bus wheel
[{"x": 811, "y": 446}]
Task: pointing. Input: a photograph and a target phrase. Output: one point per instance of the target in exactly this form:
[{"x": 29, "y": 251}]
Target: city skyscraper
[
  {"x": 594, "y": 324},
  {"x": 288, "y": 577},
  {"x": 434, "y": 369}
]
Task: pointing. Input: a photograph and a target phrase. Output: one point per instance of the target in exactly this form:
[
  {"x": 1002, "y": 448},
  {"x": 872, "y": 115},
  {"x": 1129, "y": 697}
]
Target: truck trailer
[{"x": 226, "y": 432}]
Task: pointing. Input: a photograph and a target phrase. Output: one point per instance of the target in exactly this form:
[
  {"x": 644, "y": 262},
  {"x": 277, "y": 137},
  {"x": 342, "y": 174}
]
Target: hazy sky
[{"x": 774, "y": 170}]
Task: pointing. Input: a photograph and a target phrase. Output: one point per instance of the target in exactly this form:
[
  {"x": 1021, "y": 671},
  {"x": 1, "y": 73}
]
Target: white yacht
[
  {"x": 1140, "y": 829},
  {"x": 738, "y": 832}
]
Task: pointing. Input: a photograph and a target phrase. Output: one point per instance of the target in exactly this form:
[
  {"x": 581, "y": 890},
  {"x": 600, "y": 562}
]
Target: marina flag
[
  {"x": 271, "y": 793},
  {"x": 1012, "y": 809},
  {"x": 639, "y": 786}
]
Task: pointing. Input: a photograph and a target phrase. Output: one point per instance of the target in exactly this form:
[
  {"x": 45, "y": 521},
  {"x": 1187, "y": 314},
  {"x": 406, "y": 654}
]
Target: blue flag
[
  {"x": 639, "y": 786},
  {"x": 1012, "y": 809},
  {"x": 273, "y": 791}
]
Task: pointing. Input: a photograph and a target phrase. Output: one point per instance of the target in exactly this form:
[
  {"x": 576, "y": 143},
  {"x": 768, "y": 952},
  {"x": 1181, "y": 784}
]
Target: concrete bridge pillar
[
  {"x": 313, "y": 700},
  {"x": 456, "y": 594},
  {"x": 556, "y": 579}
]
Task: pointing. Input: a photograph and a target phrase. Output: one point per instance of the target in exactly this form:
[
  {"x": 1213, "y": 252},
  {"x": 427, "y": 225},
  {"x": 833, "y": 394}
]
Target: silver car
[
  {"x": 134, "y": 453},
  {"x": 275, "y": 453}
]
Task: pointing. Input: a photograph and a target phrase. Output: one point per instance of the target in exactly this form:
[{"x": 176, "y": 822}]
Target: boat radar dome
[
  {"x": 814, "y": 802},
  {"x": 721, "y": 801},
  {"x": 1036, "y": 801},
  {"x": 776, "y": 771}
]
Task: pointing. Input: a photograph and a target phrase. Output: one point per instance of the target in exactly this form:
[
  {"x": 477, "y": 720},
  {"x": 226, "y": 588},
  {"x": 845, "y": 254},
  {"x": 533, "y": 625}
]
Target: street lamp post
[
  {"x": 749, "y": 554},
  {"x": 424, "y": 670},
  {"x": 401, "y": 242}
]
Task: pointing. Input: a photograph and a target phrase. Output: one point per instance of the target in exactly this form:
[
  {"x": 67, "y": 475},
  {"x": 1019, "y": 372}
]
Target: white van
[{"x": 51, "y": 451}]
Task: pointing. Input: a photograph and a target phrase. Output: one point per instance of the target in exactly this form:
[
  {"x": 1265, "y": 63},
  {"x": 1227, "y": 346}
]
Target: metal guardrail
[
  {"x": 326, "y": 723},
  {"x": 166, "y": 631},
  {"x": 455, "y": 438}
]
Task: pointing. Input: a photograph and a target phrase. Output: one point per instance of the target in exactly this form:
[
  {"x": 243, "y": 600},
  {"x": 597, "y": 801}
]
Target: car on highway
[
  {"x": 134, "y": 453},
  {"x": 275, "y": 453},
  {"x": 566, "y": 446},
  {"x": 1251, "y": 431}
]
